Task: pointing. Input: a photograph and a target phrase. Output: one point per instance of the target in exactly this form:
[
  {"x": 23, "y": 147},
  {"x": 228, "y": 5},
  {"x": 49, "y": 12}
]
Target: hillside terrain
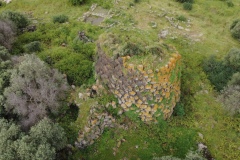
[{"x": 120, "y": 79}]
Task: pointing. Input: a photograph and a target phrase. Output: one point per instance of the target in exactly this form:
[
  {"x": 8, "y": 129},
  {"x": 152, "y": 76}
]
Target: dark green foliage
[
  {"x": 60, "y": 19},
  {"x": 235, "y": 29},
  {"x": 77, "y": 2},
  {"x": 182, "y": 1},
  {"x": 77, "y": 68},
  {"x": 17, "y": 18},
  {"x": 230, "y": 3},
  {"x": 218, "y": 73},
  {"x": 137, "y": 1},
  {"x": 182, "y": 18},
  {"x": 68, "y": 116},
  {"x": 187, "y": 6},
  {"x": 86, "y": 49},
  {"x": 34, "y": 46},
  {"x": 179, "y": 110},
  {"x": 2, "y": 4},
  {"x": 9, "y": 133},
  {"x": 5, "y": 65}
]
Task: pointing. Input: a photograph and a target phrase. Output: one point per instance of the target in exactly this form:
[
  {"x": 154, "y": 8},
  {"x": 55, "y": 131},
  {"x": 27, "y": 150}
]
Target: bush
[
  {"x": 183, "y": 1},
  {"x": 7, "y": 33},
  {"x": 218, "y": 72},
  {"x": 182, "y": 18},
  {"x": 17, "y": 18},
  {"x": 179, "y": 110},
  {"x": 235, "y": 29},
  {"x": 230, "y": 97},
  {"x": 60, "y": 19},
  {"x": 230, "y": 4},
  {"x": 187, "y": 6},
  {"x": 233, "y": 58},
  {"x": 78, "y": 69},
  {"x": 77, "y": 2},
  {"x": 235, "y": 80},
  {"x": 33, "y": 47}
]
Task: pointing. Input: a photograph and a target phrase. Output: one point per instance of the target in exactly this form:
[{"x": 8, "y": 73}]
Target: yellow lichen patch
[
  {"x": 149, "y": 86},
  {"x": 132, "y": 93},
  {"x": 130, "y": 67},
  {"x": 167, "y": 94},
  {"x": 140, "y": 67},
  {"x": 128, "y": 104},
  {"x": 139, "y": 101}
]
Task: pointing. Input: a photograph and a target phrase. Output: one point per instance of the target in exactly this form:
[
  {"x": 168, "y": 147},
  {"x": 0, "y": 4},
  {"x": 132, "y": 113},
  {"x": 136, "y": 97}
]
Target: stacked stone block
[{"x": 149, "y": 93}]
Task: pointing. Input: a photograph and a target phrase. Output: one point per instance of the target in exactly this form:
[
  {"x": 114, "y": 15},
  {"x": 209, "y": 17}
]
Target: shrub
[
  {"x": 182, "y": 18},
  {"x": 187, "y": 6},
  {"x": 179, "y": 110},
  {"x": 233, "y": 58},
  {"x": 235, "y": 80},
  {"x": 60, "y": 19},
  {"x": 230, "y": 4},
  {"x": 7, "y": 33},
  {"x": 218, "y": 72},
  {"x": 33, "y": 47},
  {"x": 17, "y": 18},
  {"x": 230, "y": 97},
  {"x": 183, "y": 1},
  {"x": 2, "y": 3},
  {"x": 5, "y": 64},
  {"x": 77, "y": 2},
  {"x": 137, "y": 1},
  {"x": 235, "y": 29},
  {"x": 77, "y": 68}
]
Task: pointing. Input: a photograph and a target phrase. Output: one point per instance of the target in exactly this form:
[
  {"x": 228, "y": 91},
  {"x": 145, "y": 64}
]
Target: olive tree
[
  {"x": 35, "y": 90},
  {"x": 230, "y": 97},
  {"x": 7, "y": 33},
  {"x": 5, "y": 65},
  {"x": 41, "y": 143}
]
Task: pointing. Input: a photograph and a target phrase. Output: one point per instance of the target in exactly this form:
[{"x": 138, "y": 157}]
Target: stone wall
[{"x": 148, "y": 93}]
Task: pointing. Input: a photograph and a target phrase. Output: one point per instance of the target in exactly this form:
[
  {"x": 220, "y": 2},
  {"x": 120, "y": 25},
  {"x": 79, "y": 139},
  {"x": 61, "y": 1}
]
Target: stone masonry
[{"x": 149, "y": 93}]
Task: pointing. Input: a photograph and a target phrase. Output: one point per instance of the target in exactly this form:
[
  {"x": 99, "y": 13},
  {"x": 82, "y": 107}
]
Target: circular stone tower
[{"x": 144, "y": 75}]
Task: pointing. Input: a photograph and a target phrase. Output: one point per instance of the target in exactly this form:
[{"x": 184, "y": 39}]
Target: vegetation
[
  {"x": 60, "y": 19},
  {"x": 235, "y": 29},
  {"x": 209, "y": 108},
  {"x": 42, "y": 141},
  {"x": 35, "y": 90},
  {"x": 17, "y": 18},
  {"x": 7, "y": 32}
]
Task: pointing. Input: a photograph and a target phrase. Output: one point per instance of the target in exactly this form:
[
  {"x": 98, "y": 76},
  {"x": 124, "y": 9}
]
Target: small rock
[
  {"x": 73, "y": 87},
  {"x": 120, "y": 112},
  {"x": 201, "y": 146},
  {"x": 163, "y": 34},
  {"x": 136, "y": 146},
  {"x": 80, "y": 95},
  {"x": 180, "y": 27},
  {"x": 200, "y": 135},
  {"x": 118, "y": 144}
]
